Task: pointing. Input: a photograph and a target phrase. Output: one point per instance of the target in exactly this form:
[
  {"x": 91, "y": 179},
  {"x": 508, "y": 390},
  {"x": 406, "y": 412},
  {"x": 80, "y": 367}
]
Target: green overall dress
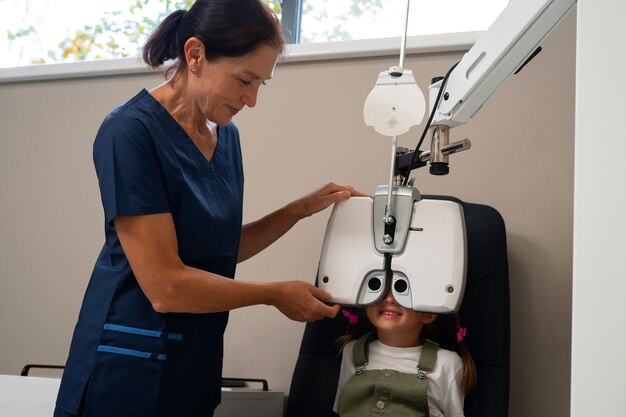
[{"x": 386, "y": 392}]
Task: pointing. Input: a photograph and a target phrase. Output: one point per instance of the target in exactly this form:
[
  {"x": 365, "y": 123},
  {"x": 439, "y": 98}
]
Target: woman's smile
[{"x": 233, "y": 110}]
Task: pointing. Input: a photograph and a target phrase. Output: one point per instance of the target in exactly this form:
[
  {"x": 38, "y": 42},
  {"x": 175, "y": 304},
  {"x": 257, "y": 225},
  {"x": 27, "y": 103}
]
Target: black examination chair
[{"x": 484, "y": 313}]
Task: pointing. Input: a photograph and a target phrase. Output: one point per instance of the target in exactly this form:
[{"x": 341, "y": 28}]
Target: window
[
  {"x": 55, "y": 31},
  {"x": 312, "y": 21}
]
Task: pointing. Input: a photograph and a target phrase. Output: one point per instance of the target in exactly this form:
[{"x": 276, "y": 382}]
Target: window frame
[{"x": 291, "y": 11}]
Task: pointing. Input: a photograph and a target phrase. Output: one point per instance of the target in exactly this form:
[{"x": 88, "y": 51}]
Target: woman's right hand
[{"x": 301, "y": 301}]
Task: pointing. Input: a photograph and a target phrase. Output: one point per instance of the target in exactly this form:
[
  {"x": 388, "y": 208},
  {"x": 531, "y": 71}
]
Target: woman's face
[
  {"x": 397, "y": 326},
  {"x": 223, "y": 86}
]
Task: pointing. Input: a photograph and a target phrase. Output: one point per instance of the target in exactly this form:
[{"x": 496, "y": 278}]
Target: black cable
[{"x": 430, "y": 119}]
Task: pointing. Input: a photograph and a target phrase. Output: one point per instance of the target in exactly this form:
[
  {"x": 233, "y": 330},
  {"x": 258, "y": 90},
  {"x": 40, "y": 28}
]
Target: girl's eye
[{"x": 244, "y": 82}]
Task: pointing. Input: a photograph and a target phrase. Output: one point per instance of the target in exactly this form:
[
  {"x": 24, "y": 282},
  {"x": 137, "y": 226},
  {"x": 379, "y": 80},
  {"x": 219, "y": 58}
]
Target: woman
[{"x": 149, "y": 337}]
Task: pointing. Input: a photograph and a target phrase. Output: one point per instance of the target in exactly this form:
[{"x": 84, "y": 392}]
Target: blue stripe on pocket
[
  {"x": 130, "y": 352},
  {"x": 142, "y": 332}
]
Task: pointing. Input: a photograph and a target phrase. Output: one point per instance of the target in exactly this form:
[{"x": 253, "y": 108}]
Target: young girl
[{"x": 394, "y": 370}]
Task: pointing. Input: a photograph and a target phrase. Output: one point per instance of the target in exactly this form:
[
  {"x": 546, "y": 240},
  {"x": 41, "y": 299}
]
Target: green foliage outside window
[
  {"x": 313, "y": 14},
  {"x": 118, "y": 34}
]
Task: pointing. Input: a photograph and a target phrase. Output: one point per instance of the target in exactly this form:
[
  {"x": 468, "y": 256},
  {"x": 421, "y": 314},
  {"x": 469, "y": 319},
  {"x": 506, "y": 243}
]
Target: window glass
[
  {"x": 335, "y": 20},
  {"x": 53, "y": 31}
]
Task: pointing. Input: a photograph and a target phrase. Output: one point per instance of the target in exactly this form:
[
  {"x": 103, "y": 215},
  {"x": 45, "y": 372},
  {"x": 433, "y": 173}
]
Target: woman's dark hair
[{"x": 230, "y": 28}]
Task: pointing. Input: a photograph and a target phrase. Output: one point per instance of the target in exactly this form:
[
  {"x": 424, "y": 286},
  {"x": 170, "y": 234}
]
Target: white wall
[
  {"x": 306, "y": 130},
  {"x": 599, "y": 310}
]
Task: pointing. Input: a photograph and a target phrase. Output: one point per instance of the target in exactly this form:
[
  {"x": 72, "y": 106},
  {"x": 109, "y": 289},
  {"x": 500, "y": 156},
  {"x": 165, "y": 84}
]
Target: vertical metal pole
[
  {"x": 388, "y": 207},
  {"x": 404, "y": 33},
  {"x": 394, "y": 146}
]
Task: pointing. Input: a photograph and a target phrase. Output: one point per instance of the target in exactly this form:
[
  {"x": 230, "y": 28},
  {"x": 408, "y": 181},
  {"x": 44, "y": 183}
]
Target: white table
[{"x": 29, "y": 396}]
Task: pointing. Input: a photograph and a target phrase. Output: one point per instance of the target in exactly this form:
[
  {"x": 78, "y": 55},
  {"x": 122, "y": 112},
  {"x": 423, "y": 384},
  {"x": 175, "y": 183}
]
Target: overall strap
[
  {"x": 427, "y": 359},
  {"x": 360, "y": 352}
]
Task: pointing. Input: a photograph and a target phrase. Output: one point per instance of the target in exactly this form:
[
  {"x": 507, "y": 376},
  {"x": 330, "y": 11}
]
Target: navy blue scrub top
[{"x": 125, "y": 358}]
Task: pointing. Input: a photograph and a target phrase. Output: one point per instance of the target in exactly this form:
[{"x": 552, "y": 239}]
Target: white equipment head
[{"x": 428, "y": 249}]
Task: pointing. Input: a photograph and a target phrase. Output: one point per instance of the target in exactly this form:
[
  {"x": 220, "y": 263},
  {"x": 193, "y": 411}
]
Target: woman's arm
[
  {"x": 260, "y": 234},
  {"x": 149, "y": 242}
]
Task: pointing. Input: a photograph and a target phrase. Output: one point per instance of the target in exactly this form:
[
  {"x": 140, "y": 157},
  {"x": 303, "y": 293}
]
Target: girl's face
[
  {"x": 225, "y": 85},
  {"x": 397, "y": 326}
]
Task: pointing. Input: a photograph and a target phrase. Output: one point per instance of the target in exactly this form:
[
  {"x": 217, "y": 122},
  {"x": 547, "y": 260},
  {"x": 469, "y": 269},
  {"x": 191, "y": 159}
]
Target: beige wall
[{"x": 306, "y": 130}]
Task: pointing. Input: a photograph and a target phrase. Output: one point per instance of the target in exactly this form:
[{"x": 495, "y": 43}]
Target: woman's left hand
[
  {"x": 258, "y": 235},
  {"x": 323, "y": 197}
]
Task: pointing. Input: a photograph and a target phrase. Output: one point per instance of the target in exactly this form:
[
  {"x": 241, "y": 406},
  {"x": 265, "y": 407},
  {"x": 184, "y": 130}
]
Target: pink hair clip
[
  {"x": 460, "y": 334},
  {"x": 352, "y": 318}
]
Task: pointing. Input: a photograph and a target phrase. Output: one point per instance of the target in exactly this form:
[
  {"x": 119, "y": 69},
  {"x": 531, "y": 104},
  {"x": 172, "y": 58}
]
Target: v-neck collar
[{"x": 188, "y": 141}]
